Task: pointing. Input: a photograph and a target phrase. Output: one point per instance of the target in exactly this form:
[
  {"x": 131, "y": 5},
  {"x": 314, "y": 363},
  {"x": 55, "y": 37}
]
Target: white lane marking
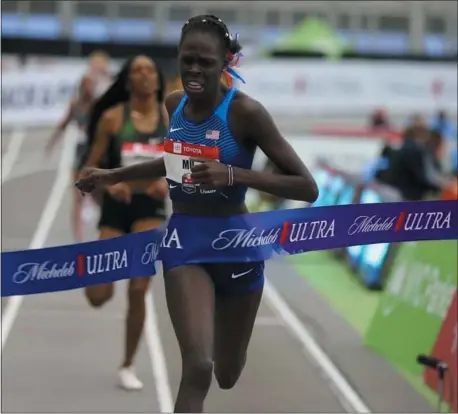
[
  {"x": 12, "y": 152},
  {"x": 268, "y": 321},
  {"x": 58, "y": 191},
  {"x": 155, "y": 349},
  {"x": 157, "y": 356},
  {"x": 73, "y": 313},
  {"x": 311, "y": 348}
]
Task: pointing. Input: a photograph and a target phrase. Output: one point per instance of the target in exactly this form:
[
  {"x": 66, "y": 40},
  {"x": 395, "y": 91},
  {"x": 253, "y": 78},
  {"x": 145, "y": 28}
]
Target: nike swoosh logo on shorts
[
  {"x": 235, "y": 276},
  {"x": 175, "y": 129}
]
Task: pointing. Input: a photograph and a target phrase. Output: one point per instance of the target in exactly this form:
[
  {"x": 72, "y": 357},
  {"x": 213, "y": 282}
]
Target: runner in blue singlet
[
  {"x": 213, "y": 307},
  {"x": 78, "y": 112}
]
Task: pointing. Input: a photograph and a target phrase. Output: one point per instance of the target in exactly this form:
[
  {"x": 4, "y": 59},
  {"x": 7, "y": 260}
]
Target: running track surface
[{"x": 62, "y": 356}]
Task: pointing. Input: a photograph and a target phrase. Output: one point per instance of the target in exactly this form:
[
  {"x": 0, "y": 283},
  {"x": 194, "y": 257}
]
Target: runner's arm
[
  {"x": 101, "y": 141},
  {"x": 62, "y": 125},
  {"x": 295, "y": 181}
]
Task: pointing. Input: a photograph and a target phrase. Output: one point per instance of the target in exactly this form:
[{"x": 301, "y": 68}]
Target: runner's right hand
[
  {"x": 121, "y": 192},
  {"x": 92, "y": 178}
]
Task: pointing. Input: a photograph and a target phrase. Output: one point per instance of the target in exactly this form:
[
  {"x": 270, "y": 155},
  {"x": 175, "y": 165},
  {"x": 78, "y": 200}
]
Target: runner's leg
[
  {"x": 190, "y": 300},
  {"x": 98, "y": 295},
  {"x": 234, "y": 322},
  {"x": 136, "y": 300},
  {"x": 143, "y": 213},
  {"x": 111, "y": 224}
]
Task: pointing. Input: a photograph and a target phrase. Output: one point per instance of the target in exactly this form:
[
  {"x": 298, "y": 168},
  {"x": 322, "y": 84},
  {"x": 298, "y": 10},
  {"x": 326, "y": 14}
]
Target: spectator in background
[
  {"x": 434, "y": 156},
  {"x": 455, "y": 162},
  {"x": 438, "y": 150},
  {"x": 417, "y": 129},
  {"x": 379, "y": 120},
  {"x": 414, "y": 169},
  {"x": 443, "y": 125},
  {"x": 435, "y": 149},
  {"x": 451, "y": 192},
  {"x": 380, "y": 169}
]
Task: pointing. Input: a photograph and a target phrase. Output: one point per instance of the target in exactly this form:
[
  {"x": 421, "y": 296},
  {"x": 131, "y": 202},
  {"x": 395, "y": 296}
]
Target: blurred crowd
[{"x": 422, "y": 162}]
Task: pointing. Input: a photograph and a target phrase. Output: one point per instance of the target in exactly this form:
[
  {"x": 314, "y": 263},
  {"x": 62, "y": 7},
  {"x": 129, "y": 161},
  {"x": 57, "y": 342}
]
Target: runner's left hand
[{"x": 209, "y": 174}]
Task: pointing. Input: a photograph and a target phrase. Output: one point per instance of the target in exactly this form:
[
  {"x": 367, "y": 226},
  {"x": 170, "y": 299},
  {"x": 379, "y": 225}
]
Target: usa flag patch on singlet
[{"x": 212, "y": 134}]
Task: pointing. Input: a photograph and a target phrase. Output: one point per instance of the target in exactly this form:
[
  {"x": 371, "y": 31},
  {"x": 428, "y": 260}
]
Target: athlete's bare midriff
[{"x": 209, "y": 209}]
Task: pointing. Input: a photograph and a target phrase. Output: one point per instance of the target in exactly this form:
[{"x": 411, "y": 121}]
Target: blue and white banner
[{"x": 243, "y": 238}]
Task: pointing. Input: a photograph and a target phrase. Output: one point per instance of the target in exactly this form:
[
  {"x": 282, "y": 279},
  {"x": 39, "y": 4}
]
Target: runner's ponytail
[{"x": 116, "y": 94}]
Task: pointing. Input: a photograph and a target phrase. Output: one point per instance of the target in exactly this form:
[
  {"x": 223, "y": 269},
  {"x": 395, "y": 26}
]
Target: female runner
[
  {"x": 99, "y": 70},
  {"x": 78, "y": 111},
  {"x": 213, "y": 306},
  {"x": 131, "y": 122}
]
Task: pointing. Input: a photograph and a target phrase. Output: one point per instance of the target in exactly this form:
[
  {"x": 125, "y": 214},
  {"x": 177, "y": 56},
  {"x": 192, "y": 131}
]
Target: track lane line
[
  {"x": 157, "y": 356},
  {"x": 12, "y": 152},
  {"x": 350, "y": 399},
  {"x": 58, "y": 191}
]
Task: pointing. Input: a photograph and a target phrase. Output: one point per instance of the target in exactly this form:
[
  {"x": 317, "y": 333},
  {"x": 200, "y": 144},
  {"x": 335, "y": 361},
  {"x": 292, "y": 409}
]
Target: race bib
[
  {"x": 135, "y": 152},
  {"x": 177, "y": 158}
]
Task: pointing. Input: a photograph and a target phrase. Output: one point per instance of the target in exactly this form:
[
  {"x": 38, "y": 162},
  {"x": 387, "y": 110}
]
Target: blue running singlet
[{"x": 209, "y": 139}]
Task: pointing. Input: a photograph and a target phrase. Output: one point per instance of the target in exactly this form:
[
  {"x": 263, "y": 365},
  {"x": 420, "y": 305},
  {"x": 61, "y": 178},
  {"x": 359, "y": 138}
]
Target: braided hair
[
  {"x": 117, "y": 93},
  {"x": 214, "y": 25}
]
